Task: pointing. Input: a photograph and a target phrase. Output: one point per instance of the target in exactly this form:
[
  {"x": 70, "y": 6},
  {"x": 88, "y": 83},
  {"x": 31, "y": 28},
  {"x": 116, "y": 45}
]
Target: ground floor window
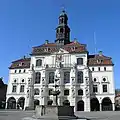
[
  {"x": 94, "y": 104},
  {"x": 106, "y": 104},
  {"x": 11, "y": 103},
  {"x": 80, "y": 105}
]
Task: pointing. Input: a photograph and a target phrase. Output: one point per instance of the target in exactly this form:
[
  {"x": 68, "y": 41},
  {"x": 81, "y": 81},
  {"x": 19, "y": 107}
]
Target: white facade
[{"x": 69, "y": 62}]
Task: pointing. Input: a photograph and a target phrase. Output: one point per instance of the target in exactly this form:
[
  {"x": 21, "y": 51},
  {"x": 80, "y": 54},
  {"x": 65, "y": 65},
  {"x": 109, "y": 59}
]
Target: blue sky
[{"x": 27, "y": 23}]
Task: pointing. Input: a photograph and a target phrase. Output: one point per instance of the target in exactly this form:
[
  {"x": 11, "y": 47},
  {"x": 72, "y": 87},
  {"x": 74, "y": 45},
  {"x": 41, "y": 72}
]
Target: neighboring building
[
  {"x": 86, "y": 81},
  {"x": 3, "y": 90}
]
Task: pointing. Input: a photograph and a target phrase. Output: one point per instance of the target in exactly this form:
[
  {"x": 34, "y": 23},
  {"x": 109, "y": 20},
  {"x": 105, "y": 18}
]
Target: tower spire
[{"x": 63, "y": 31}]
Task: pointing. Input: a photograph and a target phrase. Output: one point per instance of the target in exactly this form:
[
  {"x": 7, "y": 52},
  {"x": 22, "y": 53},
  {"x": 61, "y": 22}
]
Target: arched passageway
[
  {"x": 36, "y": 102},
  {"x": 94, "y": 104},
  {"x": 20, "y": 103},
  {"x": 66, "y": 103},
  {"x": 11, "y": 103},
  {"x": 106, "y": 104},
  {"x": 80, "y": 105}
]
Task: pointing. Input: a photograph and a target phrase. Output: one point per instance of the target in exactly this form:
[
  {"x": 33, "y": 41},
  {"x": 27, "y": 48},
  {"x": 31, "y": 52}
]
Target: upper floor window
[
  {"x": 95, "y": 88},
  {"x": 22, "y": 88},
  {"x": 79, "y": 61},
  {"x": 80, "y": 92},
  {"x": 37, "y": 77},
  {"x": 80, "y": 77},
  {"x": 14, "y": 88},
  {"x": 66, "y": 92},
  {"x": 51, "y": 77},
  {"x": 50, "y": 91},
  {"x": 39, "y": 62},
  {"x": 67, "y": 77},
  {"x": 104, "y": 68},
  {"x": 104, "y": 88},
  {"x": 36, "y": 91}
]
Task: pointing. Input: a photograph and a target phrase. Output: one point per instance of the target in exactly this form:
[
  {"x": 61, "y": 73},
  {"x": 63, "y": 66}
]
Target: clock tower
[{"x": 63, "y": 30}]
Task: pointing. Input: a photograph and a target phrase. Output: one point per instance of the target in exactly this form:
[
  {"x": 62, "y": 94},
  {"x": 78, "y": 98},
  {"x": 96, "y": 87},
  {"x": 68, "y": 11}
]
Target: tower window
[{"x": 61, "y": 30}]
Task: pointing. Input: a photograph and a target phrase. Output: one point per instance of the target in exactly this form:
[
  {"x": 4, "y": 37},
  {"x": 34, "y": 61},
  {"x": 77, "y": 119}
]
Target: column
[
  {"x": 100, "y": 106},
  {"x": 113, "y": 106}
]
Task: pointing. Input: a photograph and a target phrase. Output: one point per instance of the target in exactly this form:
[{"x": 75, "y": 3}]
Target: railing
[{"x": 61, "y": 65}]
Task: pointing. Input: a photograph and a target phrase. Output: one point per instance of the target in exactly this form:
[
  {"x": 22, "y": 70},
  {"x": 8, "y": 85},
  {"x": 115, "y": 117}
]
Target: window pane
[
  {"x": 51, "y": 77},
  {"x": 36, "y": 92},
  {"x": 14, "y": 88},
  {"x": 95, "y": 89},
  {"x": 104, "y": 88},
  {"x": 80, "y": 92},
  {"x": 79, "y": 61},
  {"x": 66, "y": 77},
  {"x": 66, "y": 92},
  {"x": 80, "y": 77},
  {"x": 22, "y": 88},
  {"x": 37, "y": 77},
  {"x": 38, "y": 62}
]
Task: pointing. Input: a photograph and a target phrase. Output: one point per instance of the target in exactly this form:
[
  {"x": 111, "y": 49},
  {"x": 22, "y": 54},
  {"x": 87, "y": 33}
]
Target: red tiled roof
[
  {"x": 72, "y": 47},
  {"x": 99, "y": 60},
  {"x": 21, "y": 63}
]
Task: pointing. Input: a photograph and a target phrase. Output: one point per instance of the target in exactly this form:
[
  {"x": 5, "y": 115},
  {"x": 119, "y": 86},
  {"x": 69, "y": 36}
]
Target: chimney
[
  {"x": 46, "y": 41},
  {"x": 100, "y": 53},
  {"x": 75, "y": 40}
]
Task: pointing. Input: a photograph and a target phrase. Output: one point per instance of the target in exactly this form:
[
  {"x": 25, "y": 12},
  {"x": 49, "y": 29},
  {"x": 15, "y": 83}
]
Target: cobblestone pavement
[{"x": 27, "y": 115}]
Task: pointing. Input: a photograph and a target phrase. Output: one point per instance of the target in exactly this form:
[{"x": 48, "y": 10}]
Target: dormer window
[
  {"x": 19, "y": 71},
  {"x": 15, "y": 71},
  {"x": 39, "y": 62},
  {"x": 79, "y": 61}
]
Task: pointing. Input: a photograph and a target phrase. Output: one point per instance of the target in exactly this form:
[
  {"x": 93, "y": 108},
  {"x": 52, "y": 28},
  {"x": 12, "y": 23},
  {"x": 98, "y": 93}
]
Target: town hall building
[{"x": 85, "y": 81}]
